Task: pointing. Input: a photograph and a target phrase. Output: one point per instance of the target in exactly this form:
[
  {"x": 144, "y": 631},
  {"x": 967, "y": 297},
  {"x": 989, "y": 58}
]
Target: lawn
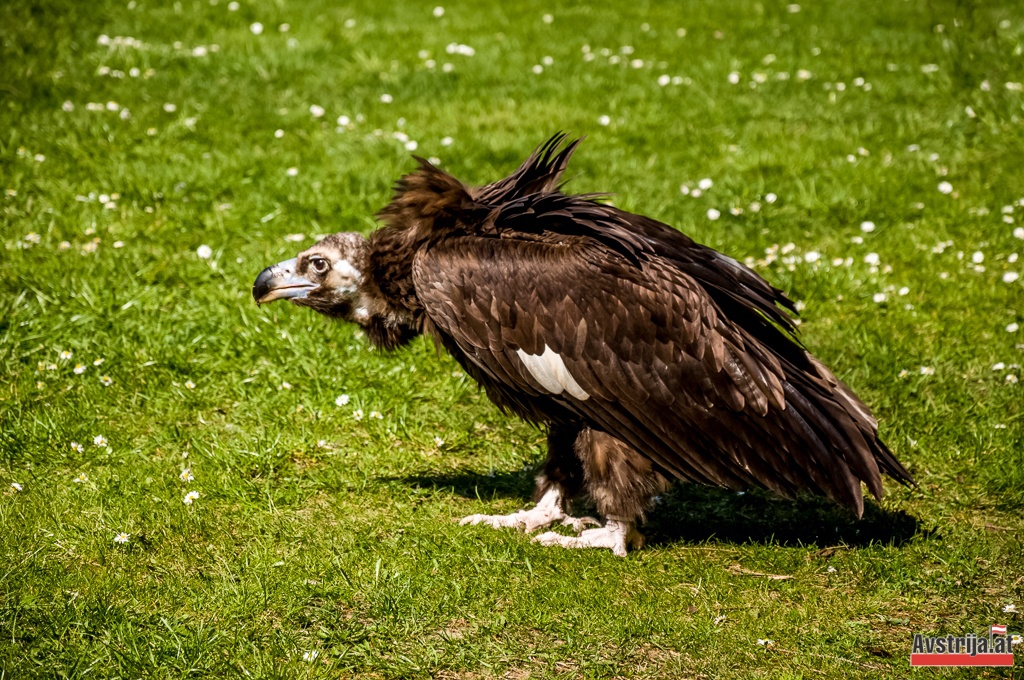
[{"x": 155, "y": 156}]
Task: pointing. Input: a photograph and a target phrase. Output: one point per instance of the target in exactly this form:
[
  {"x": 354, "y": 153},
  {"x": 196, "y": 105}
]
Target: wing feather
[{"x": 631, "y": 327}]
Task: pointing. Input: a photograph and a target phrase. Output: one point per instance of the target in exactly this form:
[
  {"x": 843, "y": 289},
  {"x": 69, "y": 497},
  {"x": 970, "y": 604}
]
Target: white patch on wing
[{"x": 549, "y": 370}]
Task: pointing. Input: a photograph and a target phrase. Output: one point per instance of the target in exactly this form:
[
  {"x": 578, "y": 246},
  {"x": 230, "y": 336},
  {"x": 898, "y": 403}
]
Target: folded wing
[{"x": 563, "y": 300}]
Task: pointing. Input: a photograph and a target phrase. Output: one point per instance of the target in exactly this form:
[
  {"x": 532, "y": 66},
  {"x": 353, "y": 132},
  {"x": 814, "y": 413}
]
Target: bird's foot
[
  {"x": 578, "y": 524},
  {"x": 615, "y": 535},
  {"x": 545, "y": 513},
  {"x": 527, "y": 520}
]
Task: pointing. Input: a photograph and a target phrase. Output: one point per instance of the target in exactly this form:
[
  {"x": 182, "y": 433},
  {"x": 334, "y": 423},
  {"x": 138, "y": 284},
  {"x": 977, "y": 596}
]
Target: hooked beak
[{"x": 280, "y": 282}]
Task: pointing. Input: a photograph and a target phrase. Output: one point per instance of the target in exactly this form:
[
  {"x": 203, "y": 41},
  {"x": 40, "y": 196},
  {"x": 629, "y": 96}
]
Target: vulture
[{"x": 646, "y": 356}]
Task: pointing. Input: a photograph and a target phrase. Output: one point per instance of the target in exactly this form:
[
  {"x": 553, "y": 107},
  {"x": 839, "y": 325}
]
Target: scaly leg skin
[
  {"x": 547, "y": 511},
  {"x": 615, "y": 535}
]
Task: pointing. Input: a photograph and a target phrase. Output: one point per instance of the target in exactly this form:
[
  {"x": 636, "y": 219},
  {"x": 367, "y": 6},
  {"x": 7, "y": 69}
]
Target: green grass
[{"x": 315, "y": 531}]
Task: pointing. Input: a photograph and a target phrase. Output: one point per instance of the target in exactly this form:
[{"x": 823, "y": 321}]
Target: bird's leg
[
  {"x": 622, "y": 483},
  {"x": 547, "y": 511},
  {"x": 561, "y": 480},
  {"x": 616, "y": 535}
]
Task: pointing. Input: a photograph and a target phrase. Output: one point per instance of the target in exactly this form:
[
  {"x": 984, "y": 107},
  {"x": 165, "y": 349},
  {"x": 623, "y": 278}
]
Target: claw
[
  {"x": 615, "y": 535},
  {"x": 578, "y": 524},
  {"x": 547, "y": 511},
  {"x": 526, "y": 520}
]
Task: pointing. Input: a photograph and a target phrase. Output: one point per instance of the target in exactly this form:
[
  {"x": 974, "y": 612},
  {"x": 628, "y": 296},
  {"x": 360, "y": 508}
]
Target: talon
[
  {"x": 546, "y": 512},
  {"x": 578, "y": 524},
  {"x": 548, "y": 538},
  {"x": 615, "y": 535}
]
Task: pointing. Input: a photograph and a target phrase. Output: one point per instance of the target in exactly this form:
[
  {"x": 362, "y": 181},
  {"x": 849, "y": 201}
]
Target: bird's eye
[{"x": 319, "y": 265}]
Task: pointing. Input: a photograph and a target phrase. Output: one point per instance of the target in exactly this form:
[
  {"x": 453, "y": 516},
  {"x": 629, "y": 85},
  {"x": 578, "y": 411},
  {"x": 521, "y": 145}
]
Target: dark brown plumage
[{"x": 648, "y": 356}]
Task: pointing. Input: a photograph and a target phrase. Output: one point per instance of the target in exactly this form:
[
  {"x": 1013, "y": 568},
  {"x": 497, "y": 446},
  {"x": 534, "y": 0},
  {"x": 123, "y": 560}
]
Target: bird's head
[{"x": 326, "y": 277}]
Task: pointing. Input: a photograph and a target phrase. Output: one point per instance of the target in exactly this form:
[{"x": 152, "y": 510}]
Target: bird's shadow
[{"x": 691, "y": 513}]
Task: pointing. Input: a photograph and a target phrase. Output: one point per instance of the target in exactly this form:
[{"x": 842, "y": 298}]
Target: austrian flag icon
[{"x": 964, "y": 650}]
